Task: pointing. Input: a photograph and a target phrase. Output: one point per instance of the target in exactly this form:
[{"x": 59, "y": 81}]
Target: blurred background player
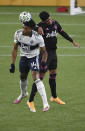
[
  {"x": 49, "y": 29},
  {"x": 29, "y": 42}
]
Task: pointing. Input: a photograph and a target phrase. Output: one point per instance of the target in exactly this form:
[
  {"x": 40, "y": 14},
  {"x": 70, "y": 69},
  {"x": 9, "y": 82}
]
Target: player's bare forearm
[
  {"x": 14, "y": 53},
  {"x": 44, "y": 54}
]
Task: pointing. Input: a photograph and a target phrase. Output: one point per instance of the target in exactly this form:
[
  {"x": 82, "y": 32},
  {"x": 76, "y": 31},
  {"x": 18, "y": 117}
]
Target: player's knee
[
  {"x": 23, "y": 76},
  {"x": 35, "y": 75}
]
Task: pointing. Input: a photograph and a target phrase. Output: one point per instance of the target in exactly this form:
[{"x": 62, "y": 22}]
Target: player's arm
[
  {"x": 14, "y": 55},
  {"x": 44, "y": 53},
  {"x": 43, "y": 65},
  {"x": 39, "y": 29},
  {"x": 66, "y": 36}
]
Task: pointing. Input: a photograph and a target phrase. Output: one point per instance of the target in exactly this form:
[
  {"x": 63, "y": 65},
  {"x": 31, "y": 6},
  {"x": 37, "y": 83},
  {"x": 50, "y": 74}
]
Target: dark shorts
[
  {"x": 52, "y": 59},
  {"x": 27, "y": 64}
]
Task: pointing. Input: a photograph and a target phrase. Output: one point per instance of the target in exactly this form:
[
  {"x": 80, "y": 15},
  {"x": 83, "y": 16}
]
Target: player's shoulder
[
  {"x": 18, "y": 31},
  {"x": 41, "y": 24},
  {"x": 37, "y": 35},
  {"x": 55, "y": 22}
]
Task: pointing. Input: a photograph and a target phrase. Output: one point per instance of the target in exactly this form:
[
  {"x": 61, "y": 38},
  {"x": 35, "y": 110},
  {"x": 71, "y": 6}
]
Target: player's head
[
  {"x": 28, "y": 26},
  {"x": 45, "y": 17}
]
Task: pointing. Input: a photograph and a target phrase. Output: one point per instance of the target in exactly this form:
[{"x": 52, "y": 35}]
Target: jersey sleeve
[
  {"x": 59, "y": 28},
  {"x": 16, "y": 38},
  {"x": 63, "y": 33}
]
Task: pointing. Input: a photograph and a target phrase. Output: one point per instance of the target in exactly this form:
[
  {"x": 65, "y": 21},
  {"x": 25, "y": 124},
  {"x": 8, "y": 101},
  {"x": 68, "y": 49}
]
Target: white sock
[
  {"x": 23, "y": 87},
  {"x": 42, "y": 92}
]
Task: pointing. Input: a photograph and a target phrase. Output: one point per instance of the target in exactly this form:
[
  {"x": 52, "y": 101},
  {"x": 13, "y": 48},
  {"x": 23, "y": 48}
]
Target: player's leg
[
  {"x": 24, "y": 69},
  {"x": 38, "y": 83},
  {"x": 41, "y": 89},
  {"x": 52, "y": 83},
  {"x": 34, "y": 88},
  {"x": 52, "y": 67},
  {"x": 23, "y": 83}
]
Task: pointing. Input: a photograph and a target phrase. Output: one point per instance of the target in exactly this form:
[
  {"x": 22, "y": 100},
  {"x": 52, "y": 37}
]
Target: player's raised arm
[
  {"x": 66, "y": 36},
  {"x": 14, "y": 55}
]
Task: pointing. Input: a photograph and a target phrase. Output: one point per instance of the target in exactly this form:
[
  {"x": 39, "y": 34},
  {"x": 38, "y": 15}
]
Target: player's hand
[
  {"x": 40, "y": 31},
  {"x": 43, "y": 67},
  {"x": 12, "y": 68},
  {"x": 76, "y": 44}
]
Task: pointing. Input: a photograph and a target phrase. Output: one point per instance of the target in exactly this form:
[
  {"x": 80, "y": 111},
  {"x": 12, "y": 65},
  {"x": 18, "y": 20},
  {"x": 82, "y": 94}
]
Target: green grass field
[{"x": 70, "y": 79}]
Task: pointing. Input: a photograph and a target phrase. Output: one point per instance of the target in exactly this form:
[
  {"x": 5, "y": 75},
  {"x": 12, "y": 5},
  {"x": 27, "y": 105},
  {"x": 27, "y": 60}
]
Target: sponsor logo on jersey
[
  {"x": 52, "y": 34},
  {"x": 25, "y": 48}
]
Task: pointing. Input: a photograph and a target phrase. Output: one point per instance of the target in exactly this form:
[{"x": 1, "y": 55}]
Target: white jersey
[{"x": 29, "y": 46}]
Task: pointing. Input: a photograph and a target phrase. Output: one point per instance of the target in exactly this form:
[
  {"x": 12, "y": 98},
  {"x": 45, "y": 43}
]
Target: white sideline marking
[
  {"x": 5, "y": 46},
  {"x": 71, "y": 55},
  {"x": 33, "y": 13},
  {"x": 73, "y": 24},
  {"x": 9, "y": 13},
  {"x": 67, "y": 47},
  {"x": 61, "y": 47},
  {"x": 67, "y": 55},
  {"x": 5, "y": 55},
  {"x": 37, "y": 13},
  {"x": 9, "y": 23}
]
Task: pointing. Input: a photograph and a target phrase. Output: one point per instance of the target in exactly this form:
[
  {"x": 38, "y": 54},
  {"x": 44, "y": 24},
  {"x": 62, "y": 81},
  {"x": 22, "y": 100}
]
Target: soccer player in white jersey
[{"x": 29, "y": 42}]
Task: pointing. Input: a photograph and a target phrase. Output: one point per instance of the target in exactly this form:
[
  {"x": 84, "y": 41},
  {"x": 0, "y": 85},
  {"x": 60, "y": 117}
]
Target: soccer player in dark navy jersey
[{"x": 49, "y": 29}]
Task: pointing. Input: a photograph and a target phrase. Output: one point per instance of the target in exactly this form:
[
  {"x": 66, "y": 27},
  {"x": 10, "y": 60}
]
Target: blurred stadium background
[
  {"x": 71, "y": 71},
  {"x": 40, "y": 3}
]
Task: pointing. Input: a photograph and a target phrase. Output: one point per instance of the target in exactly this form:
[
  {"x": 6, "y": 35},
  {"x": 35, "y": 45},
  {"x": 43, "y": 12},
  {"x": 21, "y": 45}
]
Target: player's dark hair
[
  {"x": 31, "y": 23},
  {"x": 44, "y": 15}
]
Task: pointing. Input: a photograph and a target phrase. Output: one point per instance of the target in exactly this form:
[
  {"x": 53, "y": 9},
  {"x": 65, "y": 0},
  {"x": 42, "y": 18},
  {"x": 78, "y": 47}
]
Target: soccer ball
[{"x": 25, "y": 17}]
